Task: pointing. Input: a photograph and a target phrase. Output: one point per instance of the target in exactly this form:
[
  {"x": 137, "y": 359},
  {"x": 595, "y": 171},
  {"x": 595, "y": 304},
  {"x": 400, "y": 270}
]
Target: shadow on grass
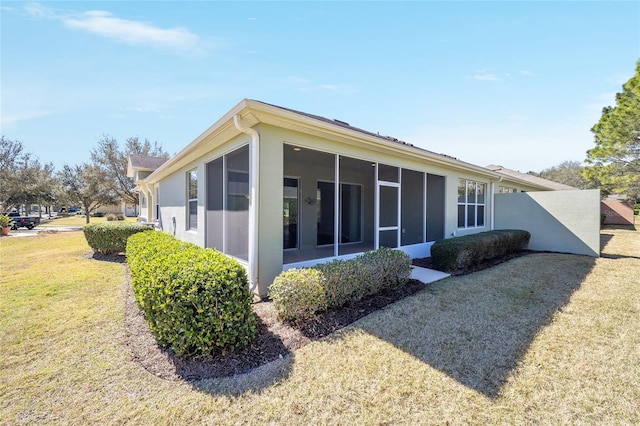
[
  {"x": 604, "y": 240},
  {"x": 113, "y": 258},
  {"x": 476, "y": 328}
]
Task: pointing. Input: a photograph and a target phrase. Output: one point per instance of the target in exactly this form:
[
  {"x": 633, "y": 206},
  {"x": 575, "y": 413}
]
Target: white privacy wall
[{"x": 561, "y": 221}]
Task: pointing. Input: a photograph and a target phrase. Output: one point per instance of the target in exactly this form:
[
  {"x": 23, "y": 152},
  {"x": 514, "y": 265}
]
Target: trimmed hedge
[
  {"x": 470, "y": 250},
  {"x": 298, "y": 294},
  {"x": 341, "y": 281},
  {"x": 367, "y": 274},
  {"x": 196, "y": 301},
  {"x": 111, "y": 237}
]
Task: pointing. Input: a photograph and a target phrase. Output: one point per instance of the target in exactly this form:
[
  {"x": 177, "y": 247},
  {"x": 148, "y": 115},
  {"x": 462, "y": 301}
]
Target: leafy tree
[
  {"x": 568, "y": 173},
  {"x": 113, "y": 161},
  {"x": 86, "y": 185},
  {"x": 614, "y": 163},
  {"x": 24, "y": 180}
]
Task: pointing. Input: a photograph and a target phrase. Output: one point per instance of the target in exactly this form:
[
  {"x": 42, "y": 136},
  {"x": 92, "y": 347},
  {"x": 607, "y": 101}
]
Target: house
[
  {"x": 278, "y": 188},
  {"x": 138, "y": 168},
  {"x": 617, "y": 210},
  {"x": 533, "y": 180}
]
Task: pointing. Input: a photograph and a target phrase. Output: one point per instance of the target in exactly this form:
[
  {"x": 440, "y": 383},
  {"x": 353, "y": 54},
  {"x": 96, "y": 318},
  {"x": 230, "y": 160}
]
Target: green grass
[{"x": 543, "y": 339}]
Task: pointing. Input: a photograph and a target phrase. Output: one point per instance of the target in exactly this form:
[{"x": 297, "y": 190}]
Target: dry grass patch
[
  {"x": 77, "y": 220},
  {"x": 543, "y": 339}
]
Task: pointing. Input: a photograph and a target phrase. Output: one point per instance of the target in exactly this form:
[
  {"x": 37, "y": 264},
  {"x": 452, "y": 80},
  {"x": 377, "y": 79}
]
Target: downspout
[
  {"x": 493, "y": 202},
  {"x": 254, "y": 217}
]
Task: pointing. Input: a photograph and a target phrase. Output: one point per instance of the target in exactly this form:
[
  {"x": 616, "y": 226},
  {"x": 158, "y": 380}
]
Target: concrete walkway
[{"x": 425, "y": 275}]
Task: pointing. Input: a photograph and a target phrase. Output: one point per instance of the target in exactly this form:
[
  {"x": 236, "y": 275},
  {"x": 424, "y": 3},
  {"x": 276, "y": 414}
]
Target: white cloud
[
  {"x": 618, "y": 78},
  {"x": 105, "y": 24},
  {"x": 527, "y": 73},
  {"x": 484, "y": 76},
  {"x": 600, "y": 101},
  {"x": 303, "y": 84},
  {"x": 7, "y": 120}
]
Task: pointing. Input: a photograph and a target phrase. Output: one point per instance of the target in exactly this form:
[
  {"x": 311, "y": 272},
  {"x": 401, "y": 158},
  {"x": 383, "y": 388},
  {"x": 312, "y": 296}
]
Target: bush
[
  {"x": 342, "y": 281},
  {"x": 196, "y": 301},
  {"x": 111, "y": 217},
  {"x": 110, "y": 238},
  {"x": 120, "y": 216},
  {"x": 636, "y": 209},
  {"x": 298, "y": 294},
  {"x": 364, "y": 275},
  {"x": 470, "y": 250}
]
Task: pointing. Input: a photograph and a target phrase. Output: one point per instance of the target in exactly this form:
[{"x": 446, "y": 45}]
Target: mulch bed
[{"x": 274, "y": 339}]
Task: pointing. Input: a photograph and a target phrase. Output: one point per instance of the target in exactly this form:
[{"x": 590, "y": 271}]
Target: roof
[
  {"x": 527, "y": 178},
  {"x": 146, "y": 162},
  {"x": 344, "y": 124}
]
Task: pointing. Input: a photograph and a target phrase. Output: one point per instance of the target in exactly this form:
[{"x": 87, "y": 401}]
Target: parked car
[{"x": 23, "y": 221}]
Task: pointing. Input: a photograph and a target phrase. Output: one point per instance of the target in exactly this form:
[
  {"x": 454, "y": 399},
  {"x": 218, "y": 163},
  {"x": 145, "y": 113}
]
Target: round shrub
[
  {"x": 298, "y": 294},
  {"x": 111, "y": 237},
  {"x": 196, "y": 301}
]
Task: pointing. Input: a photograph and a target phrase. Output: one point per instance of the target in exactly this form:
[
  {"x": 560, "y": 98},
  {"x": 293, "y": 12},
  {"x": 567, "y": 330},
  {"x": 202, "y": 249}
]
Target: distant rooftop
[
  {"x": 534, "y": 180},
  {"x": 146, "y": 162}
]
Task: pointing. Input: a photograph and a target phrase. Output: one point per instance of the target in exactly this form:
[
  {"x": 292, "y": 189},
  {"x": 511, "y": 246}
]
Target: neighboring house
[
  {"x": 139, "y": 167},
  {"x": 129, "y": 210},
  {"x": 278, "y": 188},
  {"x": 533, "y": 180},
  {"x": 617, "y": 210}
]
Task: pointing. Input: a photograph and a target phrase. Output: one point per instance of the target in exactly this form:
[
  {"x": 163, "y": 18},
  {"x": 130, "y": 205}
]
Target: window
[
  {"x": 507, "y": 190},
  {"x": 290, "y": 213},
  {"x": 325, "y": 205},
  {"x": 237, "y": 207},
  {"x": 227, "y": 203},
  {"x": 192, "y": 199},
  {"x": 471, "y": 203}
]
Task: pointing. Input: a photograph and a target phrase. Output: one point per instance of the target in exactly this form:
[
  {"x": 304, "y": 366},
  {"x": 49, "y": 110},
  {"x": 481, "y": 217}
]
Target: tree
[
  {"x": 86, "y": 185},
  {"x": 568, "y": 173},
  {"x": 614, "y": 163},
  {"x": 113, "y": 162},
  {"x": 23, "y": 179}
]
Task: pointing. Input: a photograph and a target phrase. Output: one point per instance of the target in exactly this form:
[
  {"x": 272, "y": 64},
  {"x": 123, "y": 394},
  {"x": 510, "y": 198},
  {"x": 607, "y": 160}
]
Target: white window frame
[
  {"x": 474, "y": 203},
  {"x": 192, "y": 226}
]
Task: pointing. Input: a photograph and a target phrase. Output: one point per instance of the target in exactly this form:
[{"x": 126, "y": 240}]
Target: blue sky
[{"x": 512, "y": 83}]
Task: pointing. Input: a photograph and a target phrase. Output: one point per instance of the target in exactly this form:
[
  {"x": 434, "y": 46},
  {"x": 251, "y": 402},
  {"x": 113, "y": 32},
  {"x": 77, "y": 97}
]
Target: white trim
[
  {"x": 424, "y": 207},
  {"x": 336, "y": 205}
]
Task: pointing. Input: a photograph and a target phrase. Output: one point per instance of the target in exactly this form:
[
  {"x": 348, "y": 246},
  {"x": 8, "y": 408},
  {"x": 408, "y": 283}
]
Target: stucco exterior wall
[{"x": 562, "y": 221}]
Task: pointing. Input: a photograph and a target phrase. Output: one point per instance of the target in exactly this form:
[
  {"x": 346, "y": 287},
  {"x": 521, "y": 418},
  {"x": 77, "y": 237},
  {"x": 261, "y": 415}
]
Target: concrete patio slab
[{"x": 425, "y": 275}]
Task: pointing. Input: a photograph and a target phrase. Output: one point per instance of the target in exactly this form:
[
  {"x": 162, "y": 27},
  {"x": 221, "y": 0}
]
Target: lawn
[
  {"x": 76, "y": 220},
  {"x": 541, "y": 339}
]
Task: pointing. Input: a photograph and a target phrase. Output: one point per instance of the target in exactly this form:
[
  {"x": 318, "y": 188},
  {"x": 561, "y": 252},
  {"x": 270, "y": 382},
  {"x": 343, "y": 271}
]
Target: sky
[{"x": 519, "y": 84}]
